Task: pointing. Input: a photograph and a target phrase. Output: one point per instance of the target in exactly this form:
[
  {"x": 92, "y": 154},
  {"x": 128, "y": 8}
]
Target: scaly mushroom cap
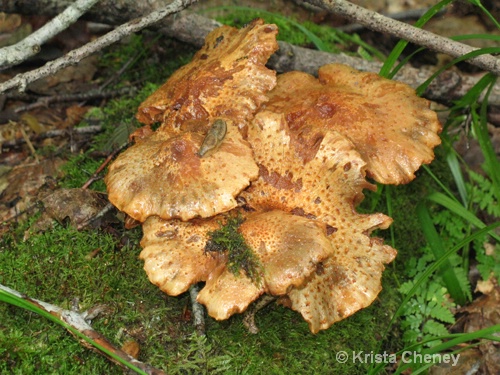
[
  {"x": 173, "y": 253},
  {"x": 163, "y": 175},
  {"x": 226, "y": 78},
  {"x": 167, "y": 173},
  {"x": 288, "y": 247},
  {"x": 393, "y": 129},
  {"x": 324, "y": 183}
]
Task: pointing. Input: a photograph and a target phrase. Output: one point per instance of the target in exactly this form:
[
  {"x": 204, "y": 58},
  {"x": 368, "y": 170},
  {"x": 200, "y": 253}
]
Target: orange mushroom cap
[
  {"x": 167, "y": 173},
  {"x": 164, "y": 175},
  {"x": 322, "y": 183},
  {"x": 226, "y": 78},
  {"x": 393, "y": 129},
  {"x": 174, "y": 255}
]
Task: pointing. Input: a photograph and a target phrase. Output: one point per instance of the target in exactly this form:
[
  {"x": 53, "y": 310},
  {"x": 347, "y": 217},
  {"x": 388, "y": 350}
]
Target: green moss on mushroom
[{"x": 240, "y": 254}]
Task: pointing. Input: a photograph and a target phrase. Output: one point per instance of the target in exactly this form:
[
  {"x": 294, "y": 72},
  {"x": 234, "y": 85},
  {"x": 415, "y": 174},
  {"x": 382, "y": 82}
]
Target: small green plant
[
  {"x": 324, "y": 38},
  {"x": 240, "y": 255},
  {"x": 200, "y": 357}
]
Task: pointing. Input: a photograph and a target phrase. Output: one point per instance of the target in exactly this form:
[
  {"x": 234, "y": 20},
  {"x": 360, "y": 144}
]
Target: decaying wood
[
  {"x": 30, "y": 46},
  {"x": 192, "y": 28},
  {"x": 22, "y": 80},
  {"x": 78, "y": 322}
]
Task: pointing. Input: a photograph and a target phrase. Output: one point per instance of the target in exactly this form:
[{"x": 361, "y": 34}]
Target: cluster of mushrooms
[{"x": 279, "y": 161}]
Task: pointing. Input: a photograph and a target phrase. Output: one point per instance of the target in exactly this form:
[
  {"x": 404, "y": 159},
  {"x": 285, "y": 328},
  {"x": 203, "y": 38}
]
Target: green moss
[{"x": 240, "y": 255}]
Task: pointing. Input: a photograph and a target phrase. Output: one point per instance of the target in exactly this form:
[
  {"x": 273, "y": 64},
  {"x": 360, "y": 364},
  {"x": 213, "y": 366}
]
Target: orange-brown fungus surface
[
  {"x": 226, "y": 78},
  {"x": 393, "y": 129},
  {"x": 164, "y": 173},
  {"x": 331, "y": 182},
  {"x": 173, "y": 253},
  {"x": 289, "y": 164}
]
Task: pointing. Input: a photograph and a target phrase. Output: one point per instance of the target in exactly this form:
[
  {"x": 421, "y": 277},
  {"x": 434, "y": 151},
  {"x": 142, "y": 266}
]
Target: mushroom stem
[
  {"x": 198, "y": 311},
  {"x": 249, "y": 318}
]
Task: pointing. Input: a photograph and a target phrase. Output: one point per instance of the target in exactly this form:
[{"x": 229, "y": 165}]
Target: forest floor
[{"x": 56, "y": 253}]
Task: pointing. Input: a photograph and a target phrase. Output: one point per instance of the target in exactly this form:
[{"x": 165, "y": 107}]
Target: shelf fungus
[{"x": 252, "y": 189}]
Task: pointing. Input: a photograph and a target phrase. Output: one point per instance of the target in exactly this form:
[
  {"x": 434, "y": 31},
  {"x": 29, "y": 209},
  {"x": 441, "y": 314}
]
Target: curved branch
[
  {"x": 376, "y": 21},
  {"x": 22, "y": 80},
  {"x": 29, "y": 46}
]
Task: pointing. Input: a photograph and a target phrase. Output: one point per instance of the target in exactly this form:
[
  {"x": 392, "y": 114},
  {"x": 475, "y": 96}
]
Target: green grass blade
[
  {"x": 458, "y": 339},
  {"x": 438, "y": 181},
  {"x": 436, "y": 244},
  {"x": 398, "y": 49},
  {"x": 459, "y": 210},
  {"x": 476, "y": 36},
  {"x": 11, "y": 298},
  {"x": 318, "y": 43},
  {"x": 490, "y": 16},
  {"x": 483, "y": 51},
  {"x": 456, "y": 171},
  {"x": 472, "y": 96},
  {"x": 403, "y": 63},
  {"x": 480, "y": 126}
]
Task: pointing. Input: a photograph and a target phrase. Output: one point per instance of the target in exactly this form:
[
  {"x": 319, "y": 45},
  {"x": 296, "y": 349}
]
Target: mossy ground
[{"x": 55, "y": 267}]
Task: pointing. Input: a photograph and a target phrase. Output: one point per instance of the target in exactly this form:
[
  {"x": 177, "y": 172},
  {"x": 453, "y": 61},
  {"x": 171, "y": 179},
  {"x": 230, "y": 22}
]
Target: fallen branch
[
  {"x": 376, "y": 21},
  {"x": 76, "y": 323},
  {"x": 29, "y": 46},
  {"x": 92, "y": 129},
  {"x": 192, "y": 29},
  {"x": 22, "y": 80}
]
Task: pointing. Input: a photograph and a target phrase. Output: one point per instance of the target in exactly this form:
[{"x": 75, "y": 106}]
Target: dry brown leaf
[{"x": 77, "y": 206}]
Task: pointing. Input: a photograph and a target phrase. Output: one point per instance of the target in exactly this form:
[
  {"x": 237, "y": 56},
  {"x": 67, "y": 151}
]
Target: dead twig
[
  {"x": 410, "y": 14},
  {"x": 92, "y": 129},
  {"x": 110, "y": 157},
  {"x": 29, "y": 46},
  {"x": 376, "y": 21},
  {"x": 44, "y": 101},
  {"x": 76, "y": 323},
  {"x": 22, "y": 80}
]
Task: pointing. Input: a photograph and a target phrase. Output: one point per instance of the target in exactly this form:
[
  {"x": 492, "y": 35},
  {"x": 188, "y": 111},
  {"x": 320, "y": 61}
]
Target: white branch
[
  {"x": 29, "y": 46},
  {"x": 378, "y": 22},
  {"x": 22, "y": 80}
]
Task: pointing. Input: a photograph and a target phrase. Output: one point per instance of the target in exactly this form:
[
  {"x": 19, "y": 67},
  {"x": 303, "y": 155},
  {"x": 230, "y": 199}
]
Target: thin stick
[
  {"x": 22, "y": 80},
  {"x": 75, "y": 322},
  {"x": 53, "y": 133},
  {"x": 29, "y": 46},
  {"x": 102, "y": 166},
  {"x": 378, "y": 22},
  {"x": 81, "y": 96}
]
